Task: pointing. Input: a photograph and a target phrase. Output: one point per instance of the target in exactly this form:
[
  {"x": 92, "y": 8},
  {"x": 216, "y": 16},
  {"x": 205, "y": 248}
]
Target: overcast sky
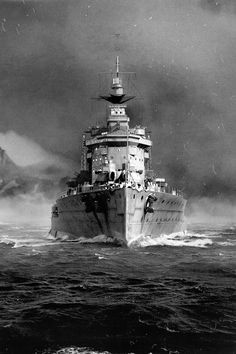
[{"x": 184, "y": 54}]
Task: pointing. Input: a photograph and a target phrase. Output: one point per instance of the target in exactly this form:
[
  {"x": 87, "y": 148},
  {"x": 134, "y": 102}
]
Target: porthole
[
  {"x": 163, "y": 201},
  {"x": 134, "y": 196},
  {"x": 142, "y": 197}
]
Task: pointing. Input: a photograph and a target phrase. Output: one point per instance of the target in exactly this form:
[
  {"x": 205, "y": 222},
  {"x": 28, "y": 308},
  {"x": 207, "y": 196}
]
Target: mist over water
[
  {"x": 32, "y": 209},
  {"x": 211, "y": 211}
]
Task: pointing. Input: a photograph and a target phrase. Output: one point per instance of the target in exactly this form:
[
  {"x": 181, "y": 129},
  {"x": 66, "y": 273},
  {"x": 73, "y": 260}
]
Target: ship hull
[{"x": 122, "y": 213}]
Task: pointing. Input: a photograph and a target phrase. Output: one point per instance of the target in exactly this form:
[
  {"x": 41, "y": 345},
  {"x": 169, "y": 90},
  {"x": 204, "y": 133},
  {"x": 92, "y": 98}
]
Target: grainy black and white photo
[{"x": 117, "y": 176}]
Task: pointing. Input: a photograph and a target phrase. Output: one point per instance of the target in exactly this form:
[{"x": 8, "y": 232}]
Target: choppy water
[{"x": 175, "y": 294}]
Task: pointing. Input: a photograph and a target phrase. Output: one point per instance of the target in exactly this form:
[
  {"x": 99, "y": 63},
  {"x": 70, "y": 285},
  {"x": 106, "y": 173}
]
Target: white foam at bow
[
  {"x": 74, "y": 350},
  {"x": 179, "y": 239}
]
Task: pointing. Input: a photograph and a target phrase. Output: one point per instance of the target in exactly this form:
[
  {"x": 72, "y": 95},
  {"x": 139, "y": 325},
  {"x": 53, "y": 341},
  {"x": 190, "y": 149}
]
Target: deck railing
[{"x": 87, "y": 188}]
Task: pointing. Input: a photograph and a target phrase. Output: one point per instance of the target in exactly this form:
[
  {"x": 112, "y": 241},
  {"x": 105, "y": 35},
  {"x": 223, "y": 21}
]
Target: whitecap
[
  {"x": 179, "y": 239},
  {"x": 5, "y": 239},
  {"x": 77, "y": 350},
  {"x": 98, "y": 239},
  {"x": 25, "y": 240},
  {"x": 171, "y": 330},
  {"x": 225, "y": 243}
]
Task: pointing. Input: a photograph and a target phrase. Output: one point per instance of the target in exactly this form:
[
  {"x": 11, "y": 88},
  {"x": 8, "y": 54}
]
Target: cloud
[
  {"x": 33, "y": 159},
  {"x": 23, "y": 151}
]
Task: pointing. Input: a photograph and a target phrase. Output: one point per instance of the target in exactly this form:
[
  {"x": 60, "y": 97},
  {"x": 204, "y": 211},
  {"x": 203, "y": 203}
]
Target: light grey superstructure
[{"x": 116, "y": 193}]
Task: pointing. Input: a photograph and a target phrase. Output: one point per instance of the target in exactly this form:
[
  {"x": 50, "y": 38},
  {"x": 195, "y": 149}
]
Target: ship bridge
[{"x": 117, "y": 152}]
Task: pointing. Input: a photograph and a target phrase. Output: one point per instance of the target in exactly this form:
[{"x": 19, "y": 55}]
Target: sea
[{"x": 171, "y": 294}]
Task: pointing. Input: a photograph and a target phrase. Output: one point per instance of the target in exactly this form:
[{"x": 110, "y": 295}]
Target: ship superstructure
[{"x": 116, "y": 193}]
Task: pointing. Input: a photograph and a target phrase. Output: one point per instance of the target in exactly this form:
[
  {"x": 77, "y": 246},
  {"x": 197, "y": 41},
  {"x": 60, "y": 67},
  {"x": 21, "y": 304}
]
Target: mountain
[
  {"x": 16, "y": 180},
  {"x": 8, "y": 169}
]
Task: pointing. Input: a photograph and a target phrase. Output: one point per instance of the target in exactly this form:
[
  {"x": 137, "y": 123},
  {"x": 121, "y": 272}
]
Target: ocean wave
[
  {"x": 179, "y": 239},
  {"x": 84, "y": 240},
  {"x": 76, "y": 350},
  {"x": 27, "y": 240},
  {"x": 39, "y": 237},
  {"x": 175, "y": 239},
  {"x": 17, "y": 241},
  {"x": 6, "y": 240},
  {"x": 225, "y": 243}
]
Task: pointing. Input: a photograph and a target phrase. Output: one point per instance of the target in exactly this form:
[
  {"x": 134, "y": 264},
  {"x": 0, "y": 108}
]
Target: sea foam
[{"x": 179, "y": 239}]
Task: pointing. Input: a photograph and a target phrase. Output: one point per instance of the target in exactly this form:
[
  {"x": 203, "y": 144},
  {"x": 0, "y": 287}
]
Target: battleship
[{"x": 116, "y": 193}]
